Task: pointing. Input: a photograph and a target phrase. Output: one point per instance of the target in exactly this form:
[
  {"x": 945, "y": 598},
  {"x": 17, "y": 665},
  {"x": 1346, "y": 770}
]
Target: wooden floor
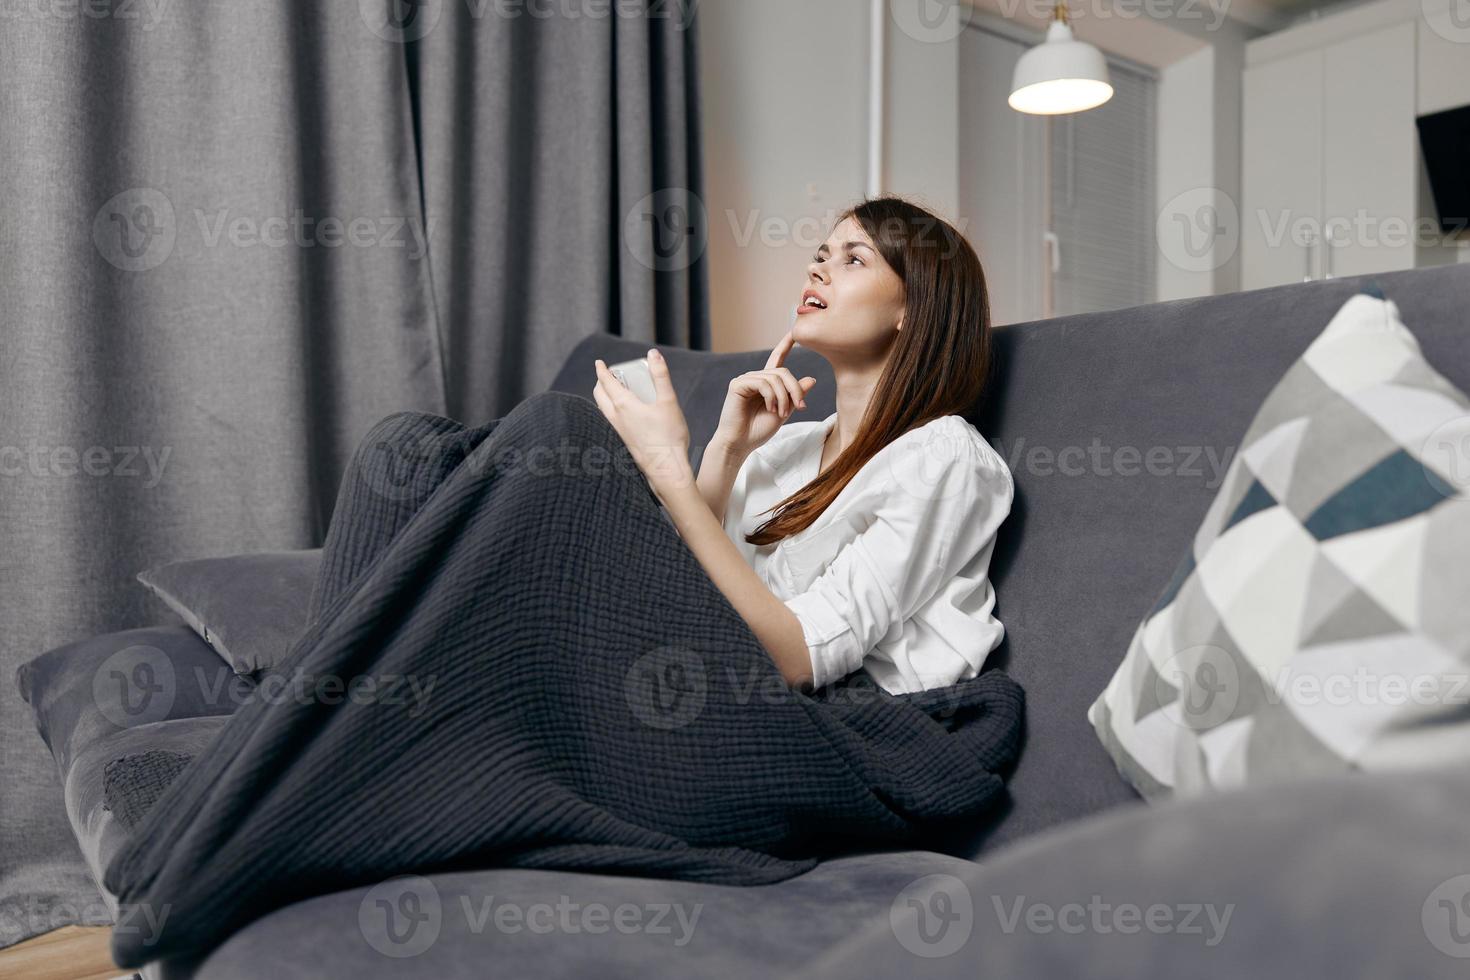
[{"x": 68, "y": 953}]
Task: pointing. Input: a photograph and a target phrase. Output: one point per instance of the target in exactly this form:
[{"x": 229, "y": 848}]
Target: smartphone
[{"x": 636, "y": 378}]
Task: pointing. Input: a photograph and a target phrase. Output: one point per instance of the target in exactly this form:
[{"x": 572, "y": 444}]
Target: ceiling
[
  {"x": 1273, "y": 15},
  {"x": 1161, "y": 41}
]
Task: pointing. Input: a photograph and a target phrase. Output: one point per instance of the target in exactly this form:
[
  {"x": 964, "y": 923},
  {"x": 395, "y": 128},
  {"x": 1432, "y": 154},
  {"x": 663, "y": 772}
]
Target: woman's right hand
[{"x": 759, "y": 402}]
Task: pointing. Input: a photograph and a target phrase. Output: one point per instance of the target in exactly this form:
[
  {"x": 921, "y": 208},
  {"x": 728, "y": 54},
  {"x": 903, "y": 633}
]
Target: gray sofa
[{"x": 1348, "y": 877}]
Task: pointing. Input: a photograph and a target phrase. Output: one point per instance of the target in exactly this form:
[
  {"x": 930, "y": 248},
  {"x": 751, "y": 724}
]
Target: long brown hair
[{"x": 940, "y": 360}]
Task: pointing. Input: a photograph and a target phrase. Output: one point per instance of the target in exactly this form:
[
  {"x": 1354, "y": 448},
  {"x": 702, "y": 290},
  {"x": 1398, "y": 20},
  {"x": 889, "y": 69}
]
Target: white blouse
[{"x": 893, "y": 575}]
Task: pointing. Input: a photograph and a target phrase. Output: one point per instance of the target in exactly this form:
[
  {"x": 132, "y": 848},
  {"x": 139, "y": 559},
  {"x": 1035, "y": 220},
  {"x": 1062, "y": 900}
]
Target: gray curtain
[
  {"x": 559, "y": 157},
  {"x": 234, "y": 235}
]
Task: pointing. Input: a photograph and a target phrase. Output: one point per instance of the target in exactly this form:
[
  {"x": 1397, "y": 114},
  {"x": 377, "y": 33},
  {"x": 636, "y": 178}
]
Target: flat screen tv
[{"x": 1445, "y": 140}]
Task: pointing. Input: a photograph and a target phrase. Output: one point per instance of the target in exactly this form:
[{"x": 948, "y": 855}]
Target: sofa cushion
[
  {"x": 250, "y": 608},
  {"x": 1317, "y": 622}
]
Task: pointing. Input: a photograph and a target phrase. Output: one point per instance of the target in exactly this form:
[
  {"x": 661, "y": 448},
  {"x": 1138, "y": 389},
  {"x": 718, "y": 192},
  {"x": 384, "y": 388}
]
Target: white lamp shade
[{"x": 1059, "y": 75}]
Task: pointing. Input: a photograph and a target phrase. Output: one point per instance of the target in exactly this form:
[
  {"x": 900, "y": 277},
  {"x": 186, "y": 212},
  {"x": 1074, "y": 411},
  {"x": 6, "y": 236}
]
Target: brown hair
[{"x": 940, "y": 360}]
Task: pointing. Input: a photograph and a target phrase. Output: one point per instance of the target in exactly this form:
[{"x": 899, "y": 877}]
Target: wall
[
  {"x": 1444, "y": 58},
  {"x": 1185, "y": 164},
  {"x": 785, "y": 100},
  {"x": 921, "y": 148}
]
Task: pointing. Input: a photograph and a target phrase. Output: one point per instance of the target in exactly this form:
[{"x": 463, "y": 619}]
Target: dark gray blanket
[{"x": 514, "y": 660}]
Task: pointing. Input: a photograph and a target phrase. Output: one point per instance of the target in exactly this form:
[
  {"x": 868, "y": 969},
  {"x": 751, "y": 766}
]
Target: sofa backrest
[{"x": 1118, "y": 428}]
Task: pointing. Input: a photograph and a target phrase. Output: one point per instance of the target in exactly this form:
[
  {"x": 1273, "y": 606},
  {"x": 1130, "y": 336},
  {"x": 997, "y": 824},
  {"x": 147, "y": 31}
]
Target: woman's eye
[{"x": 857, "y": 260}]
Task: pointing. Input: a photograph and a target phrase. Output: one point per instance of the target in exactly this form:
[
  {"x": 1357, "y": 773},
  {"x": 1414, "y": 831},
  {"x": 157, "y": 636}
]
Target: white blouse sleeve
[{"x": 932, "y": 519}]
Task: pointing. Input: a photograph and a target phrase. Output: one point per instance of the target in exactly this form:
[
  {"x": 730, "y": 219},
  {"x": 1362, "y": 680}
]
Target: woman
[{"x": 886, "y": 511}]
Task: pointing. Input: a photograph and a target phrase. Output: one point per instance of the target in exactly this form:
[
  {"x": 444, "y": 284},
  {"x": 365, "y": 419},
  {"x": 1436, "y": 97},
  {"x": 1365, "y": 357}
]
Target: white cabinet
[
  {"x": 1329, "y": 160},
  {"x": 1281, "y": 170},
  {"x": 1370, "y": 176}
]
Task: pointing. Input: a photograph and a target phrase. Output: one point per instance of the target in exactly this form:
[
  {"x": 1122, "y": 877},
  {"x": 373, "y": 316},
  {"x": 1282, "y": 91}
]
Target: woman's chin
[{"x": 806, "y": 333}]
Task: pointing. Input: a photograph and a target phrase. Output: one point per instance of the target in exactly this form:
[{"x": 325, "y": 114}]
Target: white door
[
  {"x": 1370, "y": 171},
  {"x": 1281, "y": 170}
]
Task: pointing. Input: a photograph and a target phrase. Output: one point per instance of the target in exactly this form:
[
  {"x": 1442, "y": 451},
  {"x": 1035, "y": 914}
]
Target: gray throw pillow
[
  {"x": 1319, "y": 621},
  {"x": 249, "y": 608}
]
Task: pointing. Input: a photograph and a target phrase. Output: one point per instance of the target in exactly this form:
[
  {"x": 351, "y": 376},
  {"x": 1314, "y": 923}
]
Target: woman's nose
[{"x": 814, "y": 272}]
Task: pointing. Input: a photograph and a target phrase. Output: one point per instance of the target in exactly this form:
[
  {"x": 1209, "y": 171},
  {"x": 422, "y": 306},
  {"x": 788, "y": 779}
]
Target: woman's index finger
[{"x": 782, "y": 348}]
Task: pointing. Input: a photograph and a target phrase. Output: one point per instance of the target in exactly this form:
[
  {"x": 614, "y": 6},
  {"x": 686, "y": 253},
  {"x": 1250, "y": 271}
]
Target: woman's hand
[
  {"x": 656, "y": 432},
  {"x": 759, "y": 402}
]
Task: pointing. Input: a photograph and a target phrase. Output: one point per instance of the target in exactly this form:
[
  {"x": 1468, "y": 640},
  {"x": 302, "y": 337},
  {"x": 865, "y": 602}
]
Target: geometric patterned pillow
[{"x": 1320, "y": 622}]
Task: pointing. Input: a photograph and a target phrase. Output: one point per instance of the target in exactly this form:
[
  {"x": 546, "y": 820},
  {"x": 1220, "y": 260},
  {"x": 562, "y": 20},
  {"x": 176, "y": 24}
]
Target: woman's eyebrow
[{"x": 822, "y": 249}]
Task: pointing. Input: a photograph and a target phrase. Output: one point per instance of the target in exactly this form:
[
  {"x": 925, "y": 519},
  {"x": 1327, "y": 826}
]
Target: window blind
[{"x": 1102, "y": 197}]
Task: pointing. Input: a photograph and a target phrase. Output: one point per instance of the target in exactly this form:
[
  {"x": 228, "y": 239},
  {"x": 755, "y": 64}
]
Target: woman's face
[{"x": 862, "y": 294}]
